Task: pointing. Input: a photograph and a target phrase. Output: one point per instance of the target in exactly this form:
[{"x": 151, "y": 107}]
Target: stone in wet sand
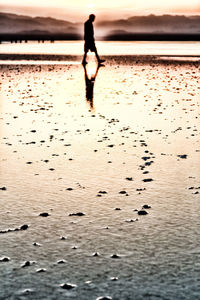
[
  {"x": 44, "y": 214},
  {"x": 78, "y": 214},
  {"x": 184, "y": 156},
  {"x": 67, "y": 286},
  {"x": 26, "y": 264},
  {"x": 3, "y": 188},
  {"x": 146, "y": 206},
  {"x": 24, "y": 227},
  {"x": 4, "y": 259},
  {"x": 147, "y": 179},
  {"x": 142, "y": 212},
  {"x": 129, "y": 178},
  {"x": 42, "y": 270},
  {"x": 122, "y": 192},
  {"x": 116, "y": 256},
  {"x": 96, "y": 254},
  {"x": 62, "y": 261},
  {"x": 114, "y": 278}
]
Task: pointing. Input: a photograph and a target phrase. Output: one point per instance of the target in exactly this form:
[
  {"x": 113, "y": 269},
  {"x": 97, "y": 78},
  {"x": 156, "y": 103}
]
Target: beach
[{"x": 78, "y": 164}]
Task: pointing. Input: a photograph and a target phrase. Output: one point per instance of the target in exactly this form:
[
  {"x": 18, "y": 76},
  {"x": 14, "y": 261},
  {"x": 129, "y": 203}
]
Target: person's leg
[
  {"x": 97, "y": 56},
  {"x": 84, "y": 58},
  {"x": 85, "y": 54}
]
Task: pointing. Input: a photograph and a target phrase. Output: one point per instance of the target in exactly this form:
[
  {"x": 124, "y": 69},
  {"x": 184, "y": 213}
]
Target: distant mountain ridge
[
  {"x": 19, "y": 24},
  {"x": 153, "y": 23},
  {"x": 11, "y": 23}
]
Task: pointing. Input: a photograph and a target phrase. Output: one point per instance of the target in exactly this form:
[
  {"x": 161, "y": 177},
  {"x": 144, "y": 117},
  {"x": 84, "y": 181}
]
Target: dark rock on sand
[
  {"x": 114, "y": 278},
  {"x": 146, "y": 206},
  {"x": 41, "y": 270},
  {"x": 95, "y": 254},
  {"x": 62, "y": 261},
  {"x": 44, "y": 214},
  {"x": 146, "y": 158},
  {"x": 36, "y": 244},
  {"x": 182, "y": 156},
  {"x": 24, "y": 227},
  {"x": 142, "y": 212},
  {"x": 78, "y": 214},
  {"x": 122, "y": 192},
  {"x": 115, "y": 256},
  {"x": 147, "y": 179},
  {"x": 3, "y": 188},
  {"x": 26, "y": 264},
  {"x": 4, "y": 259},
  {"x": 67, "y": 286}
]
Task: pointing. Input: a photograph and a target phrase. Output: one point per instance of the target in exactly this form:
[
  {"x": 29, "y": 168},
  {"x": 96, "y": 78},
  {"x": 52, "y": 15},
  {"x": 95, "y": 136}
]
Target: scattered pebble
[
  {"x": 147, "y": 179},
  {"x": 146, "y": 206},
  {"x": 44, "y": 214},
  {"x": 3, "y": 188},
  {"x": 115, "y": 256},
  {"x": 142, "y": 212},
  {"x": 96, "y": 254},
  {"x": 42, "y": 270},
  {"x": 114, "y": 278},
  {"x": 62, "y": 261},
  {"x": 68, "y": 286},
  {"x": 129, "y": 178},
  {"x": 184, "y": 156},
  {"x": 4, "y": 259},
  {"x": 78, "y": 214}
]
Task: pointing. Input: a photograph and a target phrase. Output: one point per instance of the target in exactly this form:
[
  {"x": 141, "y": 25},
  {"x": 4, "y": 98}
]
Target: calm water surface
[{"x": 105, "y": 48}]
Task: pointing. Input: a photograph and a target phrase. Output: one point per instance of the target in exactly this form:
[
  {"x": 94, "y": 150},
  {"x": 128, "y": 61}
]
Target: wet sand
[{"x": 76, "y": 174}]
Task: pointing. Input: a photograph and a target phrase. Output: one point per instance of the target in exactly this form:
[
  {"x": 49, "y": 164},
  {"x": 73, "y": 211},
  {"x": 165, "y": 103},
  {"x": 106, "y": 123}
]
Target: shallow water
[
  {"x": 105, "y": 48},
  {"x": 141, "y": 120}
]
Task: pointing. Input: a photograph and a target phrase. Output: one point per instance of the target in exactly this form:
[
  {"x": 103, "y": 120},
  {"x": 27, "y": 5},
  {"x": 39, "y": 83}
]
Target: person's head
[{"x": 92, "y": 17}]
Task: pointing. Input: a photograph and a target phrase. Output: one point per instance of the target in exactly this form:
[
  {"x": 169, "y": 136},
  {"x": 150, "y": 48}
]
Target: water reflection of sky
[{"x": 104, "y": 48}]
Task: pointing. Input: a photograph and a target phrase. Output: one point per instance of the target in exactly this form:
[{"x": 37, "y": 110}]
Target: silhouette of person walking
[{"x": 89, "y": 40}]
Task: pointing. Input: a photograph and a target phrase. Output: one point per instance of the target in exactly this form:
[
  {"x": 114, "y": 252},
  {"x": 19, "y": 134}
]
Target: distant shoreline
[
  {"x": 122, "y": 59},
  {"x": 14, "y": 38}
]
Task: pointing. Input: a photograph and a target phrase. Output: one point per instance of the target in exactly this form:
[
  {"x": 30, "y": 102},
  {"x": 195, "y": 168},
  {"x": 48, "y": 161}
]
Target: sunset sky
[{"x": 103, "y": 8}]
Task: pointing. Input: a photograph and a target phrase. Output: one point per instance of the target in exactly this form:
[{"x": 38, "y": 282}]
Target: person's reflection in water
[{"x": 90, "y": 76}]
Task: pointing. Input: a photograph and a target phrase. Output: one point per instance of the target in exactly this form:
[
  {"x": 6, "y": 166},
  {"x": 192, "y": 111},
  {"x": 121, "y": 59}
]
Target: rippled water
[{"x": 67, "y": 149}]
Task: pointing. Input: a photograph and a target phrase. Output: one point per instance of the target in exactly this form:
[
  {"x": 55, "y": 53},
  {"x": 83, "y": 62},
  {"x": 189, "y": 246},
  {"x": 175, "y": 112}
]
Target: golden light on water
[{"x": 91, "y": 70}]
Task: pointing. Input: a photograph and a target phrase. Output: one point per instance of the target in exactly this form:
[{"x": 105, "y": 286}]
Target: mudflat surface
[{"x": 77, "y": 171}]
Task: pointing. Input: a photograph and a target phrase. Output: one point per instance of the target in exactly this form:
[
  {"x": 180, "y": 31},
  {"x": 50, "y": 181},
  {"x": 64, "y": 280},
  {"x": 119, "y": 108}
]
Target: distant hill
[
  {"x": 12, "y": 24},
  {"x": 153, "y": 23}
]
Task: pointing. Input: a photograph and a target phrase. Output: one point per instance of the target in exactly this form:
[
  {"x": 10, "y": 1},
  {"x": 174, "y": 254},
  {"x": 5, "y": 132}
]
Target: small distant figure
[{"x": 89, "y": 40}]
